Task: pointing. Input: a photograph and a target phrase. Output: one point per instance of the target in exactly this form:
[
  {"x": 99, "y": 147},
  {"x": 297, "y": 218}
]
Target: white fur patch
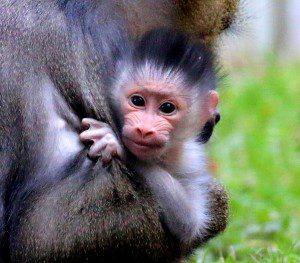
[
  {"x": 193, "y": 176},
  {"x": 62, "y": 141}
]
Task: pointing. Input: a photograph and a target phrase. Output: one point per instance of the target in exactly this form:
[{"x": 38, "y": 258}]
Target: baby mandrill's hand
[{"x": 105, "y": 144}]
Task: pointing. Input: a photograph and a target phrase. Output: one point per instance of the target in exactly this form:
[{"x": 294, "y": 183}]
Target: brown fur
[
  {"x": 206, "y": 18},
  {"x": 202, "y": 19}
]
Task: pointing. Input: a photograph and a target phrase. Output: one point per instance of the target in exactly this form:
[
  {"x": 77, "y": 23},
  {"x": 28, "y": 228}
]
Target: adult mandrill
[{"x": 56, "y": 61}]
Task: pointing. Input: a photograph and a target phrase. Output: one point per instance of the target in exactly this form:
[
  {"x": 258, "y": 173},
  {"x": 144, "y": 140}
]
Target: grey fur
[{"x": 54, "y": 65}]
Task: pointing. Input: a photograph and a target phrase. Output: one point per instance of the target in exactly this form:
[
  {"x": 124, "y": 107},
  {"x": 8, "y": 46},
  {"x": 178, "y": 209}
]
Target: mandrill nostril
[
  {"x": 139, "y": 132},
  {"x": 149, "y": 133},
  {"x": 144, "y": 133}
]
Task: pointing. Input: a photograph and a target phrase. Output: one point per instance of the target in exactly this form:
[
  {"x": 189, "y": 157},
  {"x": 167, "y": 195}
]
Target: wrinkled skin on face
[{"x": 150, "y": 116}]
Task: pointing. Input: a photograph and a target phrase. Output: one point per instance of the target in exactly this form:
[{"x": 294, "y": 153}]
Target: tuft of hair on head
[{"x": 171, "y": 54}]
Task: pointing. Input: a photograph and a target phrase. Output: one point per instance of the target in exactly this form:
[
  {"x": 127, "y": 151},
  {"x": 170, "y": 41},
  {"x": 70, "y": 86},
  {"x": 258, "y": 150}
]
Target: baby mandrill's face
[{"x": 152, "y": 112}]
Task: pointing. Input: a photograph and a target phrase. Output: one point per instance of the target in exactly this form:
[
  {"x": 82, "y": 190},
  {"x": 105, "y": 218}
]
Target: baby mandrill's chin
[{"x": 142, "y": 151}]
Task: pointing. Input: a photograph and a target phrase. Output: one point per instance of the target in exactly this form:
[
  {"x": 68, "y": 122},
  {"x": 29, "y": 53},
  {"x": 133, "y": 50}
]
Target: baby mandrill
[{"x": 164, "y": 93}]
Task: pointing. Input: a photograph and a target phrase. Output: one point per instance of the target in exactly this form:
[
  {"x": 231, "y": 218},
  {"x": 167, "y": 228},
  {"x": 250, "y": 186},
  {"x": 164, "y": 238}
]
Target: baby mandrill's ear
[
  {"x": 209, "y": 115},
  {"x": 209, "y": 107},
  {"x": 213, "y": 100}
]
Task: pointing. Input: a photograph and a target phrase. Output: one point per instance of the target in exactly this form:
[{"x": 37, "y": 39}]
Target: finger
[
  {"x": 89, "y": 122},
  {"x": 119, "y": 151},
  {"x": 94, "y": 134},
  {"x": 107, "y": 154},
  {"x": 97, "y": 148}
]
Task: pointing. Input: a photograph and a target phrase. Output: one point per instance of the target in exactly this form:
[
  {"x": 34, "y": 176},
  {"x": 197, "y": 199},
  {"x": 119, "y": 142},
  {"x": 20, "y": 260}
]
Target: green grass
[{"x": 257, "y": 149}]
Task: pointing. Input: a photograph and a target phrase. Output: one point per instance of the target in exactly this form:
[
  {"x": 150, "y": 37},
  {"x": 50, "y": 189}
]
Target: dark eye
[
  {"x": 167, "y": 108},
  {"x": 137, "y": 101}
]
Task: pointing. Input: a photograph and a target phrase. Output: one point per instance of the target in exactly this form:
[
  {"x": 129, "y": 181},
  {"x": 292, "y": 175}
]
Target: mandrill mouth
[{"x": 142, "y": 144}]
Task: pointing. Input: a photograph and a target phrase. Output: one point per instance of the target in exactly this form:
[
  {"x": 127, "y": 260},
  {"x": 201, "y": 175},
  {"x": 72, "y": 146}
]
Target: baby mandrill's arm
[{"x": 186, "y": 213}]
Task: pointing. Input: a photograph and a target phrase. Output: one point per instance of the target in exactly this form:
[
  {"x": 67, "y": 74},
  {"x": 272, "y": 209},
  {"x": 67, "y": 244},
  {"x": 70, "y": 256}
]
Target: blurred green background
[{"x": 256, "y": 149}]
